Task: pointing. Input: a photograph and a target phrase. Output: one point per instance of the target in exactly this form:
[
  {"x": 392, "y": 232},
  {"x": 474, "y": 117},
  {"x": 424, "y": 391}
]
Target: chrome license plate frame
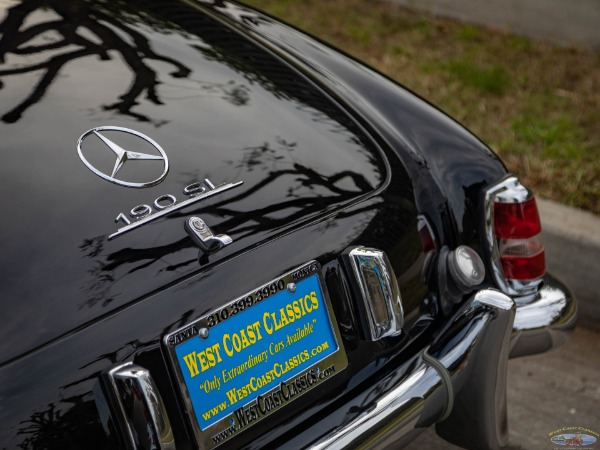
[{"x": 244, "y": 361}]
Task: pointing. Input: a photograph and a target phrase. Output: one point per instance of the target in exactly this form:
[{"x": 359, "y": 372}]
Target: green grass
[
  {"x": 468, "y": 33},
  {"x": 535, "y": 103},
  {"x": 555, "y": 136},
  {"x": 493, "y": 80}
]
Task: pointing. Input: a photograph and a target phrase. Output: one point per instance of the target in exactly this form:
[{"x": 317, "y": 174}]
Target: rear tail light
[
  {"x": 426, "y": 234},
  {"x": 514, "y": 234}
]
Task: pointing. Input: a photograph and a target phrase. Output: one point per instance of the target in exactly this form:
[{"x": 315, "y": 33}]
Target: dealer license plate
[{"x": 256, "y": 354}]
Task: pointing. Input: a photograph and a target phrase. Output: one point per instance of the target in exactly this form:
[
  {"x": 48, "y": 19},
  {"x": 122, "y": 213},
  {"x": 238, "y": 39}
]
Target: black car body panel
[
  {"x": 199, "y": 114},
  {"x": 331, "y": 154}
]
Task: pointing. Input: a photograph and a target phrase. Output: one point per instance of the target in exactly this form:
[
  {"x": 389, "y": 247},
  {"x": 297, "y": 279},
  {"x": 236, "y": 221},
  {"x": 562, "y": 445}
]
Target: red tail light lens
[
  {"x": 517, "y": 228},
  {"x": 516, "y": 220}
]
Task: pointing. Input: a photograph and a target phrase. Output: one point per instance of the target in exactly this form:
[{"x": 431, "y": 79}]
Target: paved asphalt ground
[
  {"x": 546, "y": 393},
  {"x": 572, "y": 240},
  {"x": 564, "y": 21},
  {"x": 561, "y": 388}
]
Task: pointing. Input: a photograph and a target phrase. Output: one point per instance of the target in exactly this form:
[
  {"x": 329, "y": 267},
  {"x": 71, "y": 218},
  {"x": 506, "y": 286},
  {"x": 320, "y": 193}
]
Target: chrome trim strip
[
  {"x": 406, "y": 399},
  {"x": 175, "y": 207},
  {"x": 138, "y": 408}
]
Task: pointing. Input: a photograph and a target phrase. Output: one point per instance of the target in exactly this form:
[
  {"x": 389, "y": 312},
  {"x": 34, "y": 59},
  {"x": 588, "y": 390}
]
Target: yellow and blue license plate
[{"x": 255, "y": 355}]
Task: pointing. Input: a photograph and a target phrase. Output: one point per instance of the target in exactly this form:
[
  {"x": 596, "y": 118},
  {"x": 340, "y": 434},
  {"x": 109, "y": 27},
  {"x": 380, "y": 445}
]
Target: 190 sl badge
[
  {"x": 163, "y": 205},
  {"x": 256, "y": 354}
]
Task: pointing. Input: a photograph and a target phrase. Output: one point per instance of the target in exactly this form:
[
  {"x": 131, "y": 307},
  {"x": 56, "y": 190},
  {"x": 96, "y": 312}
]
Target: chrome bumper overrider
[
  {"x": 459, "y": 381},
  {"x": 544, "y": 322}
]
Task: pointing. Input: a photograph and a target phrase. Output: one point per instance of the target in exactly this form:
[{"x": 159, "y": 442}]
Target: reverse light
[
  {"x": 466, "y": 267},
  {"x": 514, "y": 234}
]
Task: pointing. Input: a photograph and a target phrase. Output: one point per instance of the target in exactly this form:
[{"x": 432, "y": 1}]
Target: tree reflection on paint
[
  {"x": 72, "y": 30},
  {"x": 73, "y": 44}
]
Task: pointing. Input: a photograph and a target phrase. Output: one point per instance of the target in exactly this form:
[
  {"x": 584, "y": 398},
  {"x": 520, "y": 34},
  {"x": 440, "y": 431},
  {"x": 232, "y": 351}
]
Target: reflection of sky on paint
[
  {"x": 317, "y": 141},
  {"x": 74, "y": 92},
  {"x": 322, "y": 332},
  {"x": 8, "y": 4}
]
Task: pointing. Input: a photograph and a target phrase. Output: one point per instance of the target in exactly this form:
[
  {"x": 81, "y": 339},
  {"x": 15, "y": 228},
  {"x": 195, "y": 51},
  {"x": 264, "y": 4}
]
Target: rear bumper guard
[
  {"x": 439, "y": 384},
  {"x": 544, "y": 322},
  {"x": 459, "y": 381}
]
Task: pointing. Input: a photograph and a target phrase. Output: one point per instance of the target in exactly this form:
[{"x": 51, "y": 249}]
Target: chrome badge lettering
[
  {"x": 167, "y": 203},
  {"x": 164, "y": 204},
  {"x": 183, "y": 335},
  {"x": 123, "y": 156}
]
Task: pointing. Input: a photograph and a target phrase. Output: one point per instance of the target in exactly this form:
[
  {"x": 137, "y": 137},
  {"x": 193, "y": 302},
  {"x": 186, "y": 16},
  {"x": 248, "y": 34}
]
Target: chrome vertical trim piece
[
  {"x": 379, "y": 290},
  {"x": 137, "y": 408},
  {"x": 480, "y": 376}
]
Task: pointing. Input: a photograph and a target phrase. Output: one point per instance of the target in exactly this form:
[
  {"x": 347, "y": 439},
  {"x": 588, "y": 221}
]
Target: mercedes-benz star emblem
[{"x": 123, "y": 156}]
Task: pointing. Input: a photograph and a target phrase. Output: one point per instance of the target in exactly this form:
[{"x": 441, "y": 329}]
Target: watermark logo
[{"x": 574, "y": 437}]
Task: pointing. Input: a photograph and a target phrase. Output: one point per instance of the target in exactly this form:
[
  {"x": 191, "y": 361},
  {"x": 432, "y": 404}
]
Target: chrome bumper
[
  {"x": 459, "y": 381},
  {"x": 544, "y": 322}
]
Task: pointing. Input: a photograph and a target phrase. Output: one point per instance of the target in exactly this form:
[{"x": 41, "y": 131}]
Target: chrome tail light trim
[{"x": 509, "y": 190}]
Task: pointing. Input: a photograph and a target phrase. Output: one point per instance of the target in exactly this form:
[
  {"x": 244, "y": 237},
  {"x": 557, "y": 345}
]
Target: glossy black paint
[
  {"x": 199, "y": 113},
  {"x": 446, "y": 164},
  {"x": 331, "y": 155}
]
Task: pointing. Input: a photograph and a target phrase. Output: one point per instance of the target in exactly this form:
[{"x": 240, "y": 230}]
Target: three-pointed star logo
[{"x": 122, "y": 156}]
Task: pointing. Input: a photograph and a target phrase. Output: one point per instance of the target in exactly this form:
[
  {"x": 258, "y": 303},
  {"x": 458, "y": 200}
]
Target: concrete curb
[
  {"x": 572, "y": 240},
  {"x": 563, "y": 21}
]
